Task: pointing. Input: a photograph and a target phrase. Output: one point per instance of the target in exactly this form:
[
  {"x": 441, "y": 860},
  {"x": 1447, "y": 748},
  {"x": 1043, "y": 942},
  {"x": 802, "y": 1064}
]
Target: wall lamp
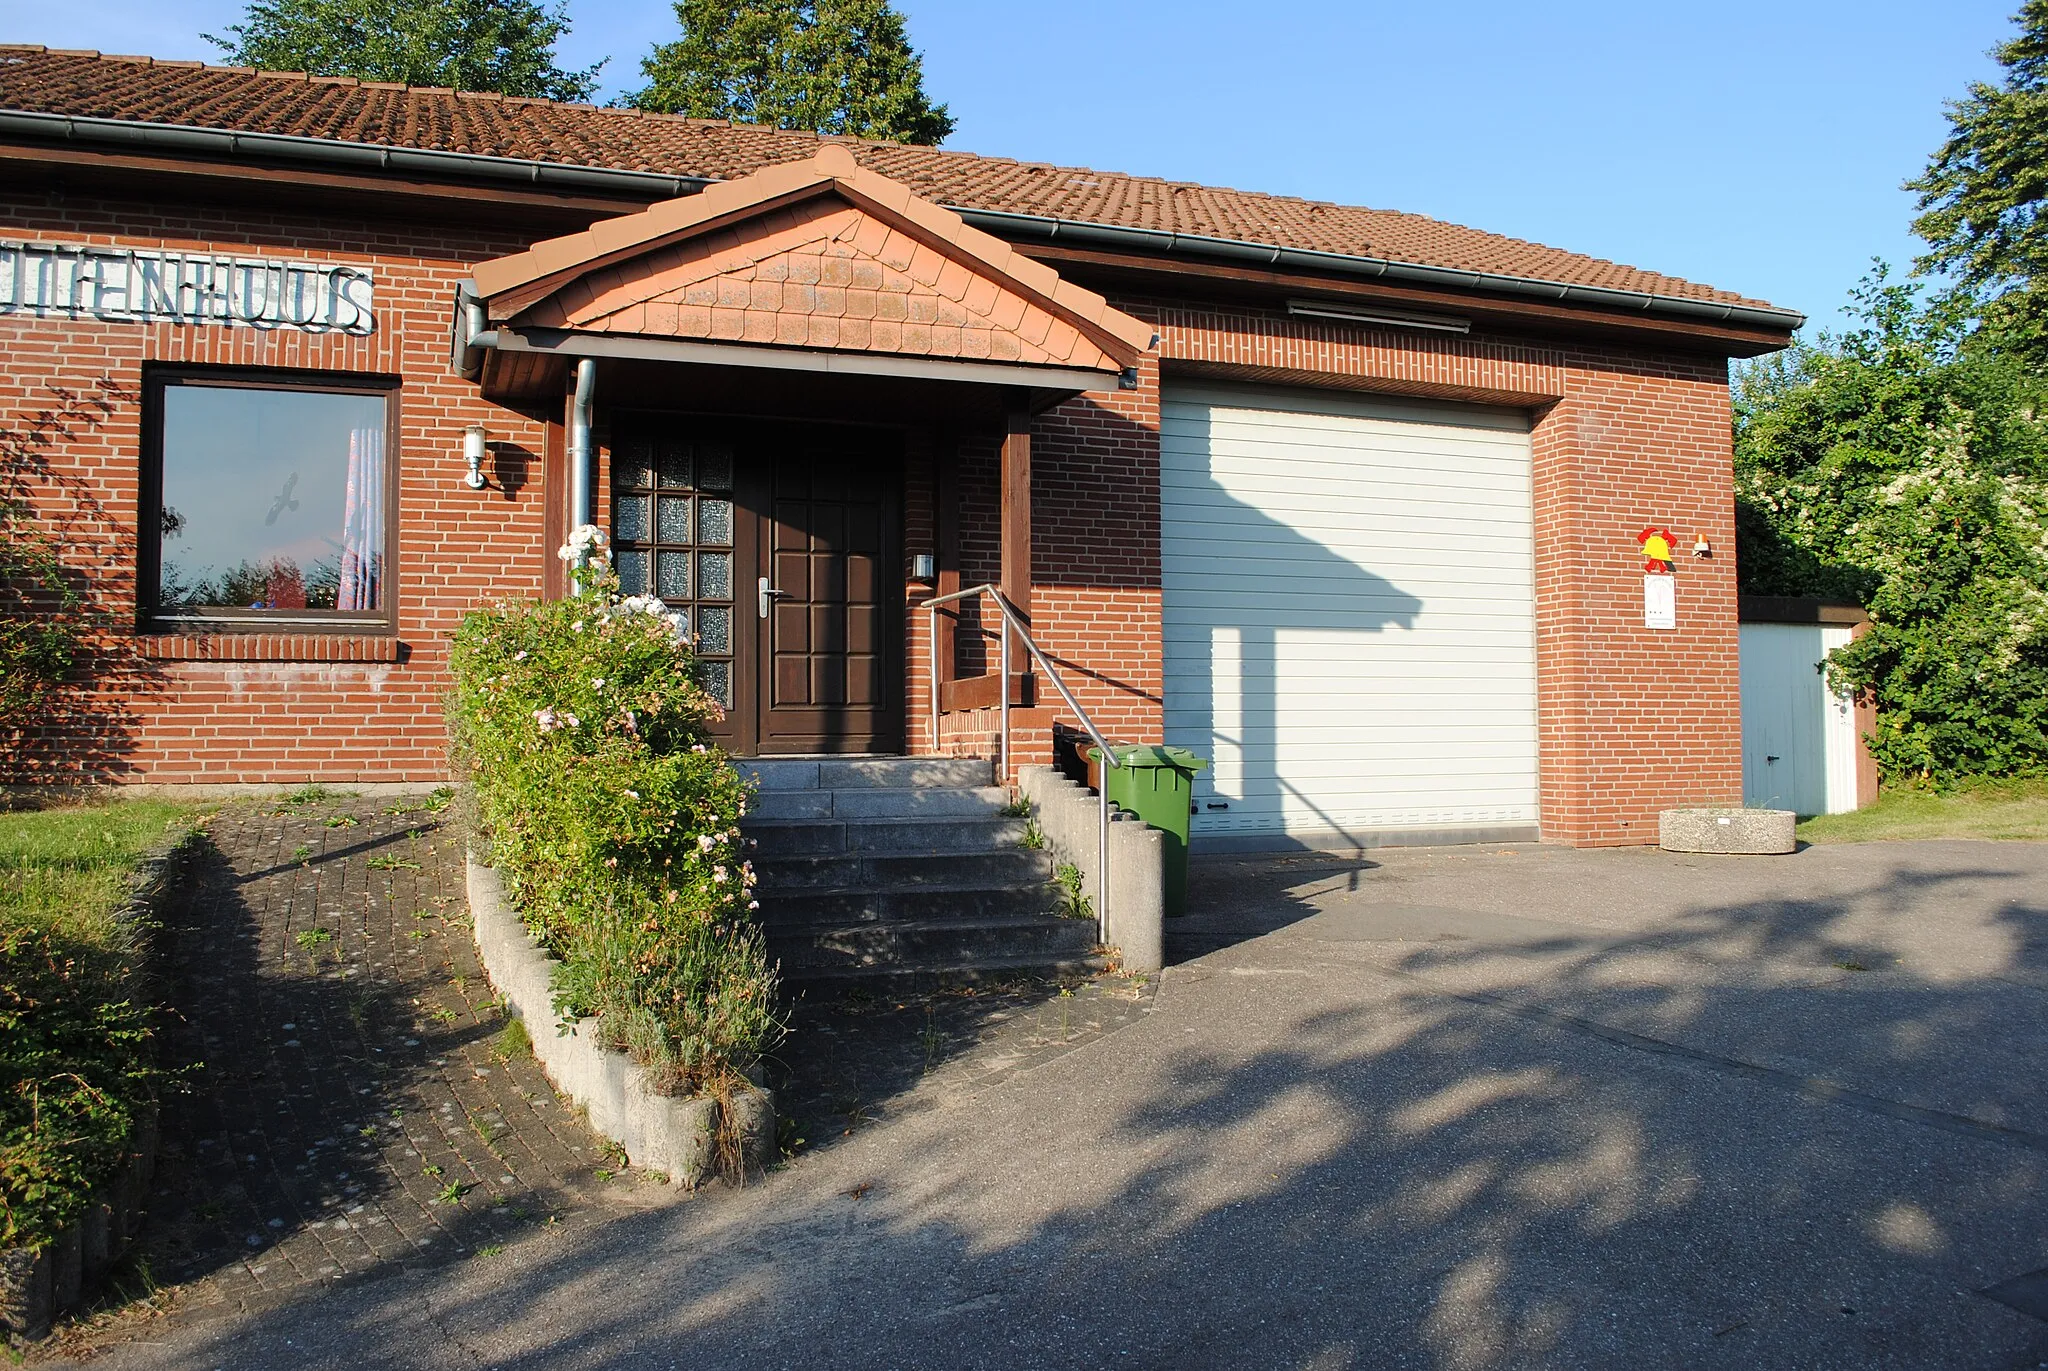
[
  {"x": 1395, "y": 318},
  {"x": 476, "y": 441}
]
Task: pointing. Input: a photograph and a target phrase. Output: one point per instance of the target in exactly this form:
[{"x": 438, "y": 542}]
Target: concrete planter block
[
  {"x": 1070, "y": 818},
  {"x": 678, "y": 1137},
  {"x": 1754, "y": 832},
  {"x": 25, "y": 1288}
]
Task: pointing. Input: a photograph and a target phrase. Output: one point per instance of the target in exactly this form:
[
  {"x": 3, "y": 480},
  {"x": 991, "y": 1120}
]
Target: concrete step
[
  {"x": 858, "y": 773},
  {"x": 877, "y": 802},
  {"x": 937, "y": 942},
  {"x": 895, "y": 870},
  {"x": 831, "y": 908},
  {"x": 820, "y": 981},
  {"x": 831, "y": 837}
]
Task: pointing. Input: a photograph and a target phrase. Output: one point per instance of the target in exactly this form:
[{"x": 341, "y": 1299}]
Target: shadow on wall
[
  {"x": 87, "y": 730},
  {"x": 1435, "y": 1160},
  {"x": 1293, "y": 583}
]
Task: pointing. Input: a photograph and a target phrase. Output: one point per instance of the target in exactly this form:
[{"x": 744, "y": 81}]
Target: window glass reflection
[{"x": 272, "y": 500}]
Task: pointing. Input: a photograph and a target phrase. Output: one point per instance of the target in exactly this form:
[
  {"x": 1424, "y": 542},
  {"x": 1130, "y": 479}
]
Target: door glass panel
[
  {"x": 714, "y": 522},
  {"x": 716, "y": 677},
  {"x": 714, "y": 467},
  {"x": 633, "y": 572},
  {"x": 657, "y": 534},
  {"x": 714, "y": 575},
  {"x": 635, "y": 457},
  {"x": 673, "y": 580},
  {"x": 630, "y": 518},
  {"x": 674, "y": 519},
  {"x": 714, "y": 630}
]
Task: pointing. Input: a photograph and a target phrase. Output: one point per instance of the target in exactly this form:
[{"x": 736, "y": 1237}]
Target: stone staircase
[{"x": 903, "y": 871}]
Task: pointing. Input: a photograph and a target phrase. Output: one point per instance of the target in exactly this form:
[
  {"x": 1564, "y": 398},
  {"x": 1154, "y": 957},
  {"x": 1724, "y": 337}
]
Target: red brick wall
[
  {"x": 339, "y": 715},
  {"x": 1631, "y": 719}
]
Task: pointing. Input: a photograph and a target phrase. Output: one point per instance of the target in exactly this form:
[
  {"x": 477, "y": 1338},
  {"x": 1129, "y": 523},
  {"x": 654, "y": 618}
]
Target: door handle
[{"x": 769, "y": 593}]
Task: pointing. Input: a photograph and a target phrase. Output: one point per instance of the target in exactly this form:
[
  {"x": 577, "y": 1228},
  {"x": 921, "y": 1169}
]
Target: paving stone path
[
  {"x": 356, "y": 1107},
  {"x": 355, "y": 1102}
]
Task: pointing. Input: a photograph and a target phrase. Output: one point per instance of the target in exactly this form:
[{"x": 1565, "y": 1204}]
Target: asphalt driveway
[{"x": 1452, "y": 1108}]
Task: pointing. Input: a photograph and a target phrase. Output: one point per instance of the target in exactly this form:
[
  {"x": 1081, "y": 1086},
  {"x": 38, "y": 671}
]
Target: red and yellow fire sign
[{"x": 1656, "y": 544}]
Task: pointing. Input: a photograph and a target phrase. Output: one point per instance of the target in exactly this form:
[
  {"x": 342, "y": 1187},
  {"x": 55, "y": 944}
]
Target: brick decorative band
[{"x": 272, "y": 647}]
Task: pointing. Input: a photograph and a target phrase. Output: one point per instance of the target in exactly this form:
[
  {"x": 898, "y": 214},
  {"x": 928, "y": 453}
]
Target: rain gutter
[{"x": 429, "y": 162}]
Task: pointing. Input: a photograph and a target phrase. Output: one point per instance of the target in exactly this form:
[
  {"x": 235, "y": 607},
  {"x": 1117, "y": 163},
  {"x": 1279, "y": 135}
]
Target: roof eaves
[
  {"x": 1165, "y": 242},
  {"x": 563, "y": 175}
]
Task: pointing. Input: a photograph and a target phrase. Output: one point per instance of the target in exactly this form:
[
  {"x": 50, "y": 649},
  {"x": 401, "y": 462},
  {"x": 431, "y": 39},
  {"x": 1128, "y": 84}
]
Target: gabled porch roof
[{"x": 819, "y": 265}]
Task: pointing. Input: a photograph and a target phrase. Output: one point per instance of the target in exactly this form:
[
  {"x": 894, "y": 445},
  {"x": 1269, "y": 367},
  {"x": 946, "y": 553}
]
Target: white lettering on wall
[{"x": 123, "y": 286}]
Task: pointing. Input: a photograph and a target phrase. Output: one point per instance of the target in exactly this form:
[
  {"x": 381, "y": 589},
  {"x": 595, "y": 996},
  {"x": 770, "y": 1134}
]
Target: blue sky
[{"x": 1755, "y": 146}]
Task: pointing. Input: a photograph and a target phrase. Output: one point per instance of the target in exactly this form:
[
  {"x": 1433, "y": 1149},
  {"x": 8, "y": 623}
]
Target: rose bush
[{"x": 615, "y": 820}]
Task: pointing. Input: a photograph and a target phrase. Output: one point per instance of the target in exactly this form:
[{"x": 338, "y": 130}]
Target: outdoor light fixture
[
  {"x": 921, "y": 567},
  {"x": 475, "y": 441},
  {"x": 1396, "y": 318},
  {"x": 1701, "y": 547}
]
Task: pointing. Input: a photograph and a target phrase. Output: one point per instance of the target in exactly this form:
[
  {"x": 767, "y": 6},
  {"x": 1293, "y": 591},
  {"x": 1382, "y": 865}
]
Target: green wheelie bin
[{"x": 1158, "y": 785}]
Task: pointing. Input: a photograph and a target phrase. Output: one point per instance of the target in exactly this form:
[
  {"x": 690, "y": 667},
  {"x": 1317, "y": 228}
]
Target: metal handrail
[{"x": 1015, "y": 620}]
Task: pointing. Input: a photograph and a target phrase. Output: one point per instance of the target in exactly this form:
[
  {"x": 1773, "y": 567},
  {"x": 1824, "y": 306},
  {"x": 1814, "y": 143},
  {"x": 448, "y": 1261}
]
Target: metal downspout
[{"x": 582, "y": 459}]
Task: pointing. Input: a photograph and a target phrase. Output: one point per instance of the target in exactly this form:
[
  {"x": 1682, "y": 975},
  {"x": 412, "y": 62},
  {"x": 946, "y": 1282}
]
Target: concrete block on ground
[
  {"x": 1070, "y": 818},
  {"x": 1751, "y": 832},
  {"x": 678, "y": 1137}
]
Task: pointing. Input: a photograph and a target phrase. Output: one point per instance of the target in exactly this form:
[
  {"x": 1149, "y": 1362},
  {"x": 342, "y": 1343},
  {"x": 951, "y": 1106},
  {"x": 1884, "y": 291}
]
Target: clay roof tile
[{"x": 85, "y": 84}]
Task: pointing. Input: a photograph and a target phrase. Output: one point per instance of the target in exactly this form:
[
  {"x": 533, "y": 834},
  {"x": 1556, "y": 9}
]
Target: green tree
[
  {"x": 507, "y": 46},
  {"x": 1900, "y": 467},
  {"x": 1982, "y": 195},
  {"x": 833, "y": 66}
]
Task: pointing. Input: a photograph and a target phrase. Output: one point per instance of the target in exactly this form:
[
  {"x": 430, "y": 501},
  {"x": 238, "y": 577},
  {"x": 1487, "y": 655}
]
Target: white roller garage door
[{"x": 1350, "y": 623}]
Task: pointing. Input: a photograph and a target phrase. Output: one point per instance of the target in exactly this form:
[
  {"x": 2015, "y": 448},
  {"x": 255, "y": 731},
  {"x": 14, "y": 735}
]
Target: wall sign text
[{"x": 128, "y": 286}]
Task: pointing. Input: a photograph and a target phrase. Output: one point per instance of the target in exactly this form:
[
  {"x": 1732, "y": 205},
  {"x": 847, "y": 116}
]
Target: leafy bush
[
  {"x": 1905, "y": 466},
  {"x": 616, "y": 823},
  {"x": 77, "y": 1050},
  {"x": 76, "y": 1069},
  {"x": 41, "y": 614}
]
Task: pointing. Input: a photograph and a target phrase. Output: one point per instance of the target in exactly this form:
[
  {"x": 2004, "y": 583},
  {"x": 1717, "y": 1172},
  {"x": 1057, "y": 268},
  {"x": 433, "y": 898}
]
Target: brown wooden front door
[
  {"x": 783, "y": 543},
  {"x": 828, "y": 589}
]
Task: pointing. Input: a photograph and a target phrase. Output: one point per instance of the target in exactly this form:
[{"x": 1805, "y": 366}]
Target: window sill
[{"x": 272, "y": 647}]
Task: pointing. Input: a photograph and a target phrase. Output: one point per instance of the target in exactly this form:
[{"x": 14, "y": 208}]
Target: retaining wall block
[
  {"x": 1070, "y": 818},
  {"x": 675, "y": 1136}
]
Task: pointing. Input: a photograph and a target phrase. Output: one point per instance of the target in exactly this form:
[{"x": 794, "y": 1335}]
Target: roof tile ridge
[{"x": 23, "y": 47}]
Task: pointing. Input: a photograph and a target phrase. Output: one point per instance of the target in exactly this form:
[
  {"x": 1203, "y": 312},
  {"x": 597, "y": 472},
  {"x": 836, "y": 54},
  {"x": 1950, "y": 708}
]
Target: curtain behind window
[{"x": 362, "y": 524}]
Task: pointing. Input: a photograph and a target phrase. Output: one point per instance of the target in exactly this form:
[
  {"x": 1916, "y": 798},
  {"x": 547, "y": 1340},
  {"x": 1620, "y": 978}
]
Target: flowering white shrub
[{"x": 616, "y": 822}]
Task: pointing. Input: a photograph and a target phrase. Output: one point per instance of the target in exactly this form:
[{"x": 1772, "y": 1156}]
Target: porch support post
[
  {"x": 1016, "y": 516},
  {"x": 946, "y": 518}
]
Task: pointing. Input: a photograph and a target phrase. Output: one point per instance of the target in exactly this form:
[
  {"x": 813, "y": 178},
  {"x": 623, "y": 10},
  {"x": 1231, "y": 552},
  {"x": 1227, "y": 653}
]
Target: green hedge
[{"x": 615, "y": 821}]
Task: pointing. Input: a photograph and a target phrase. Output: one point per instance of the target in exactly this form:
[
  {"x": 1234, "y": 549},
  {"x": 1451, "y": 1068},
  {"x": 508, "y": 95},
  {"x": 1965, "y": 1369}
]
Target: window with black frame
[
  {"x": 273, "y": 502},
  {"x": 672, "y": 536}
]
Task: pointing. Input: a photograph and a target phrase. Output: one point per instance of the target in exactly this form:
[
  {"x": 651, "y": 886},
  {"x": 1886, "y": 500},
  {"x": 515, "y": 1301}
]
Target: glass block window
[{"x": 672, "y": 534}]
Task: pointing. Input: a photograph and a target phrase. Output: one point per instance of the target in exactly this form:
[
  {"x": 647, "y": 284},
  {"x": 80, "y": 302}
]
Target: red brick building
[{"x": 1345, "y": 499}]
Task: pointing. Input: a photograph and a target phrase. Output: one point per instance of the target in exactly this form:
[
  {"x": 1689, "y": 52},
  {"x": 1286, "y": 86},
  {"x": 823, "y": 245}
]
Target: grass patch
[
  {"x": 512, "y": 1041},
  {"x": 2004, "y": 809},
  {"x": 71, "y": 866},
  {"x": 77, "y": 1051}
]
